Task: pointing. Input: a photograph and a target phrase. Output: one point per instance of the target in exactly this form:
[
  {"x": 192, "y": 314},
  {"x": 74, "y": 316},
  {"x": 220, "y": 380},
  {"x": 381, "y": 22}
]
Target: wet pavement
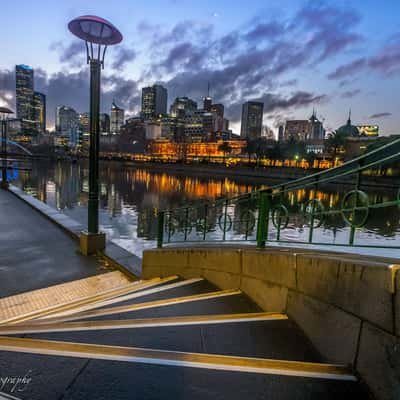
[{"x": 34, "y": 252}]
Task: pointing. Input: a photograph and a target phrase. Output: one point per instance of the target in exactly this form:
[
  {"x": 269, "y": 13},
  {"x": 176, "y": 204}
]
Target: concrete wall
[{"x": 348, "y": 306}]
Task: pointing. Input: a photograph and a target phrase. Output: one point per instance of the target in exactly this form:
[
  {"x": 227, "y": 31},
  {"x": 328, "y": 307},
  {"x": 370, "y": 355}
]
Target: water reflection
[{"x": 129, "y": 198}]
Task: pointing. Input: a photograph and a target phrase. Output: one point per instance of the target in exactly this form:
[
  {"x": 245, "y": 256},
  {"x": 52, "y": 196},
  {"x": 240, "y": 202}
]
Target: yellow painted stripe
[
  {"x": 23, "y": 303},
  {"x": 130, "y": 296},
  {"x": 141, "y": 306},
  {"x": 174, "y": 358},
  {"x": 140, "y": 323},
  {"x": 48, "y": 310}
]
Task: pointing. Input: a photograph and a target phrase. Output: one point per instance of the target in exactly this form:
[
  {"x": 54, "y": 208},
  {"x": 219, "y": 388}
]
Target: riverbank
[{"x": 258, "y": 175}]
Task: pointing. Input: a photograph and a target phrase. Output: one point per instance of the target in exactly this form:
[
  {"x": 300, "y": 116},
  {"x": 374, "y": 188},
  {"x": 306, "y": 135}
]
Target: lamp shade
[{"x": 95, "y": 30}]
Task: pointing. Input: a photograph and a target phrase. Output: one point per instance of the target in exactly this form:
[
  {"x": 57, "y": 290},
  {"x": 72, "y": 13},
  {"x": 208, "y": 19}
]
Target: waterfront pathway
[{"x": 36, "y": 253}]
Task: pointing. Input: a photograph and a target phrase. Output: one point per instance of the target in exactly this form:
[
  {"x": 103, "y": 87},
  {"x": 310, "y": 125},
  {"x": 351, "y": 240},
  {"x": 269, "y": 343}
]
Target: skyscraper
[
  {"x": 39, "y": 111},
  {"x": 31, "y": 105},
  {"x": 117, "y": 118},
  {"x": 104, "y": 123},
  {"x": 182, "y": 106},
  {"x": 24, "y": 96},
  {"x": 252, "y": 120},
  {"x": 66, "y": 119},
  {"x": 24, "y": 91},
  {"x": 154, "y": 101}
]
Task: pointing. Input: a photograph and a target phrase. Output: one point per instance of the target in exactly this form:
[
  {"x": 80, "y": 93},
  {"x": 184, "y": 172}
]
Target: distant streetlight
[
  {"x": 4, "y": 112},
  {"x": 97, "y": 34}
]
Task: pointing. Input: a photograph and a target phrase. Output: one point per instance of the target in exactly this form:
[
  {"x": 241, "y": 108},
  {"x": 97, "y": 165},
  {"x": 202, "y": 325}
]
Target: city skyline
[{"x": 294, "y": 58}]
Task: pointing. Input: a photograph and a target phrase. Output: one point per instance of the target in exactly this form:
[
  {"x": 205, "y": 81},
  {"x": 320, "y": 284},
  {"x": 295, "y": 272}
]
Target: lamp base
[
  {"x": 4, "y": 185},
  {"x": 90, "y": 243}
]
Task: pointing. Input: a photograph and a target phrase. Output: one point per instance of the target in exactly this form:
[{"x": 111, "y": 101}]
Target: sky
[{"x": 294, "y": 55}]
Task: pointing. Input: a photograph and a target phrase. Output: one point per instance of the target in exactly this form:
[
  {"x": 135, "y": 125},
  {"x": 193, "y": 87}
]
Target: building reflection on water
[{"x": 129, "y": 198}]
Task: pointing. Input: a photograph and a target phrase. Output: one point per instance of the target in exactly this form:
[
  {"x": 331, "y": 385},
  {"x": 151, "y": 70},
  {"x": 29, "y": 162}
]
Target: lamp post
[
  {"x": 4, "y": 112},
  {"x": 97, "y": 34}
]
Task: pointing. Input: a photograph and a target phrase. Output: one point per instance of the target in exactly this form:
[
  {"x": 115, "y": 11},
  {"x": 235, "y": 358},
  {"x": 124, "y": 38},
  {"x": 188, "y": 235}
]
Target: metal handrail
[{"x": 266, "y": 209}]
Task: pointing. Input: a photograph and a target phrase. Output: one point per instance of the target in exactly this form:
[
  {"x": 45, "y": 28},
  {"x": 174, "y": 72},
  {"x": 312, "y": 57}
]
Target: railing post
[
  {"x": 263, "y": 216},
  {"x": 205, "y": 221},
  {"x": 357, "y": 186},
  {"x": 310, "y": 235},
  {"x": 160, "y": 228}
]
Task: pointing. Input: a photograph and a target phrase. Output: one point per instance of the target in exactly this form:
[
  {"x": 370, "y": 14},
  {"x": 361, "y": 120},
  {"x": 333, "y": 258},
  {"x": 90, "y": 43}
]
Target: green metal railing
[{"x": 268, "y": 215}]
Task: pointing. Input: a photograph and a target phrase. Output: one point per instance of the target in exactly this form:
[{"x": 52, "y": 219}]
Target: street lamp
[
  {"x": 4, "y": 112},
  {"x": 97, "y": 34}
]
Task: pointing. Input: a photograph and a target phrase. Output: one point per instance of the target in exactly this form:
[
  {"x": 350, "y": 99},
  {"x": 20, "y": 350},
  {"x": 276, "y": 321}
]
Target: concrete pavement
[{"x": 34, "y": 252}]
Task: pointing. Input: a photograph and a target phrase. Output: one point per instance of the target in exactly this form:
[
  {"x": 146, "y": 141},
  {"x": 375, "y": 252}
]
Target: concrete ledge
[
  {"x": 379, "y": 362},
  {"x": 333, "y": 332},
  {"x": 359, "y": 287}
]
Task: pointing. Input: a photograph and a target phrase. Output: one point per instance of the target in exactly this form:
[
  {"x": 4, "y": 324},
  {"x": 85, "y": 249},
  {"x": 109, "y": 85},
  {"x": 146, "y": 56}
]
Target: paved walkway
[{"x": 34, "y": 252}]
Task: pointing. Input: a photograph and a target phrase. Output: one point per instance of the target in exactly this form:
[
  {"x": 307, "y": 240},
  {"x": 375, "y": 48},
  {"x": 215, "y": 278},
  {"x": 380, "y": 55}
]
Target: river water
[{"x": 129, "y": 197}]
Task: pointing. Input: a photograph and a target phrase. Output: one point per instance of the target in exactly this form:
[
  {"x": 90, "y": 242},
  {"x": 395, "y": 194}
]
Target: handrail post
[
  {"x": 357, "y": 186},
  {"x": 160, "y": 228},
  {"x": 310, "y": 235},
  {"x": 263, "y": 216}
]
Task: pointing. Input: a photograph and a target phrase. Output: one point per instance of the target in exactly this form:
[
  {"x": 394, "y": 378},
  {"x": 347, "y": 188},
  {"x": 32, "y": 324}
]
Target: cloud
[
  {"x": 386, "y": 62},
  {"x": 255, "y": 61},
  {"x": 264, "y": 31},
  {"x": 351, "y": 93},
  {"x": 122, "y": 57},
  {"x": 380, "y": 115},
  {"x": 73, "y": 54},
  {"x": 72, "y": 89}
]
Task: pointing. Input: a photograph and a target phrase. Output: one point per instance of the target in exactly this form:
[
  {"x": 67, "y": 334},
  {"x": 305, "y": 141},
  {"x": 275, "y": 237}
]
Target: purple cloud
[{"x": 380, "y": 115}]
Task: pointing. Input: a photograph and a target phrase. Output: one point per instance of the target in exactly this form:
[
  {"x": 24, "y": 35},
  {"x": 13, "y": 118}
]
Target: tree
[
  {"x": 250, "y": 148},
  {"x": 310, "y": 157},
  {"x": 294, "y": 149},
  {"x": 335, "y": 141},
  {"x": 225, "y": 148}
]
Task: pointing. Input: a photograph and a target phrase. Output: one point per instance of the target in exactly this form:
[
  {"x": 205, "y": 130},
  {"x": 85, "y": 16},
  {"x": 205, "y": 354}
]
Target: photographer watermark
[{"x": 14, "y": 384}]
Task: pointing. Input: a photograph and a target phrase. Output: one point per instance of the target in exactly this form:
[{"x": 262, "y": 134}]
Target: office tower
[
  {"x": 218, "y": 114},
  {"x": 24, "y": 91},
  {"x": 84, "y": 123},
  {"x": 154, "y": 101},
  {"x": 281, "y": 133},
  {"x": 207, "y": 101},
  {"x": 252, "y": 120},
  {"x": 39, "y": 111},
  {"x": 31, "y": 105},
  {"x": 24, "y": 97},
  {"x": 182, "y": 106},
  {"x": 304, "y": 129},
  {"x": 104, "y": 123},
  {"x": 66, "y": 119},
  {"x": 117, "y": 118}
]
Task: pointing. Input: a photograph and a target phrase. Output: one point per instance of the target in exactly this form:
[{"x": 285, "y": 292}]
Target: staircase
[{"x": 166, "y": 338}]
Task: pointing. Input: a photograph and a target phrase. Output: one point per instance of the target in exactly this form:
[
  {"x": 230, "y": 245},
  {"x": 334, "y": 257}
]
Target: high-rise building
[
  {"x": 31, "y": 105},
  {"x": 218, "y": 114},
  {"x": 304, "y": 129},
  {"x": 252, "y": 120},
  {"x": 66, "y": 119},
  {"x": 24, "y": 91},
  {"x": 117, "y": 118},
  {"x": 182, "y": 106},
  {"x": 39, "y": 111},
  {"x": 154, "y": 101},
  {"x": 104, "y": 123},
  {"x": 84, "y": 123},
  {"x": 207, "y": 101},
  {"x": 24, "y": 97}
]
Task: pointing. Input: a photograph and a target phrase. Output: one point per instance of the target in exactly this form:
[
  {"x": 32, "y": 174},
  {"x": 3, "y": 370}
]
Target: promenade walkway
[{"x": 34, "y": 252}]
